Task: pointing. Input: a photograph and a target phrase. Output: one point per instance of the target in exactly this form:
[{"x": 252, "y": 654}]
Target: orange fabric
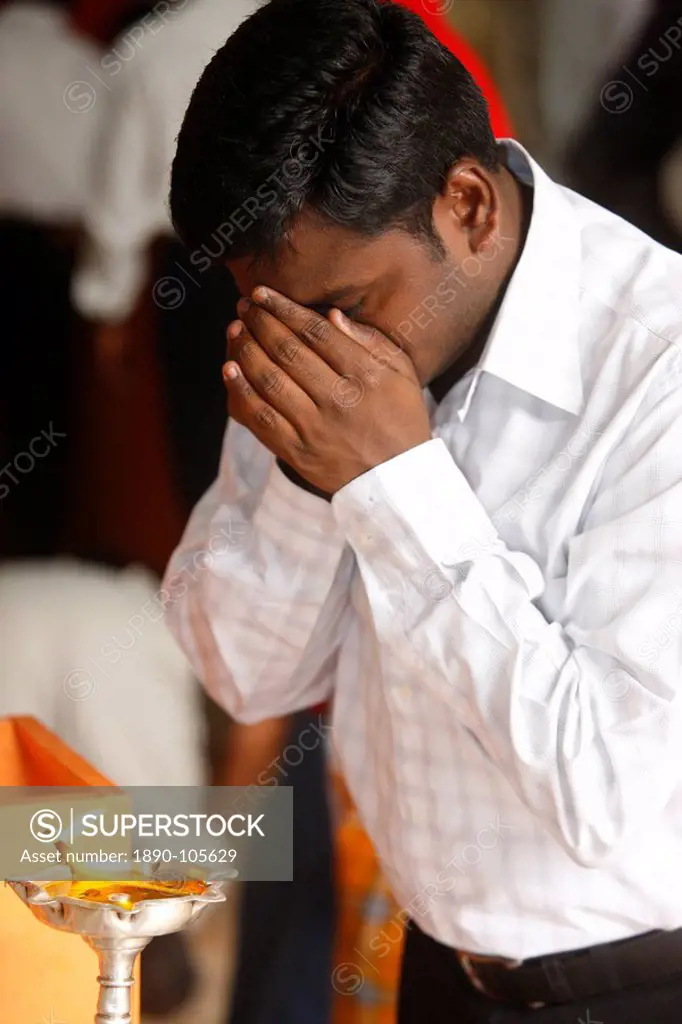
[
  {"x": 369, "y": 939},
  {"x": 45, "y": 975},
  {"x": 36, "y": 757}
]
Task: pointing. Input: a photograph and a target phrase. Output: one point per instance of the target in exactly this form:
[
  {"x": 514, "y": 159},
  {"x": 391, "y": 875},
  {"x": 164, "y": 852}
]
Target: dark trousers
[
  {"x": 435, "y": 990},
  {"x": 287, "y": 928}
]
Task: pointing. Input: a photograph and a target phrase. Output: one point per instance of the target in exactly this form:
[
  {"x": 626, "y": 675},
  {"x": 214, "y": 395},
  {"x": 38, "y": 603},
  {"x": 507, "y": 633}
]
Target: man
[
  {"x": 486, "y": 573},
  {"x": 580, "y": 40}
]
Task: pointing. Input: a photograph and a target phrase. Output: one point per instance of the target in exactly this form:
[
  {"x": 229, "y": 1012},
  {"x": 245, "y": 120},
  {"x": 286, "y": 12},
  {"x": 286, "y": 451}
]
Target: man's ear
[{"x": 470, "y": 202}]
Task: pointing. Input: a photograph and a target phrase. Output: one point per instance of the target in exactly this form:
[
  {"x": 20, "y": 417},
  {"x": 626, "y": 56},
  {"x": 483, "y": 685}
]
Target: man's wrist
[{"x": 297, "y": 479}]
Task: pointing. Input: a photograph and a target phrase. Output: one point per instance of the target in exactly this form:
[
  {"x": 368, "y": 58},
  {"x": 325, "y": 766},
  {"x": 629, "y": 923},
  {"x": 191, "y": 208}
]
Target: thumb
[
  {"x": 381, "y": 348},
  {"x": 349, "y": 327},
  {"x": 383, "y": 351}
]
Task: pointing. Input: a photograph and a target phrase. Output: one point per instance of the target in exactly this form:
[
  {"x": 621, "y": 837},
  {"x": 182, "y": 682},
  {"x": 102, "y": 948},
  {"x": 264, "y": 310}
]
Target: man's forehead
[
  {"x": 305, "y": 285},
  {"x": 307, "y": 281},
  {"x": 320, "y": 265}
]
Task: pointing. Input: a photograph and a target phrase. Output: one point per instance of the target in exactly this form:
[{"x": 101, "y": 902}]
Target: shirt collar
[{"x": 533, "y": 343}]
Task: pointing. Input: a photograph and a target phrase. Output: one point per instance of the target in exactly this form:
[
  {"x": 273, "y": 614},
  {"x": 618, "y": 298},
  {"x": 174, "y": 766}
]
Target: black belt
[{"x": 564, "y": 977}]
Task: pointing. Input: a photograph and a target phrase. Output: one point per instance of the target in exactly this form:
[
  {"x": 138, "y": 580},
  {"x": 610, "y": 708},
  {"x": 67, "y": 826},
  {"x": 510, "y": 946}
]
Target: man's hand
[{"x": 329, "y": 397}]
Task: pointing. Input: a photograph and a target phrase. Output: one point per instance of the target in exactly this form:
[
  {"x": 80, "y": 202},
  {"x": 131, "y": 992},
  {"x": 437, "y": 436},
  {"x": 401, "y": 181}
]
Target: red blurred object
[
  {"x": 428, "y": 11},
  {"x": 97, "y": 18},
  {"x": 93, "y": 18}
]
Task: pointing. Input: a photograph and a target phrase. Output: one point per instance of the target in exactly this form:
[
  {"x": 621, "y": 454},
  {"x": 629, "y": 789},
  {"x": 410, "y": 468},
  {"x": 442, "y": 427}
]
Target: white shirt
[
  {"x": 510, "y": 728},
  {"x": 145, "y": 82},
  {"x": 46, "y": 137},
  {"x": 85, "y": 651}
]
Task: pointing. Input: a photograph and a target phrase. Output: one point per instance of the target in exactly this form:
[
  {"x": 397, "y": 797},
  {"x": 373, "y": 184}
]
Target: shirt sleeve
[
  {"x": 257, "y": 591},
  {"x": 580, "y": 714},
  {"x": 126, "y": 205}
]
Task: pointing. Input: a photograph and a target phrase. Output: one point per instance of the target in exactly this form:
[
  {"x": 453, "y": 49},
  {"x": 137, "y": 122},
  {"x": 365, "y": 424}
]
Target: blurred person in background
[
  {"x": 85, "y": 649},
  {"x": 628, "y": 155},
  {"x": 131, "y": 257},
  {"x": 483, "y": 607},
  {"x": 46, "y": 152},
  {"x": 580, "y": 40}
]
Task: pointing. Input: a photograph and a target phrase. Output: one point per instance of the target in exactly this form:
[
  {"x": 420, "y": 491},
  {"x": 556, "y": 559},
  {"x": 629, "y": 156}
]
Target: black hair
[{"x": 351, "y": 109}]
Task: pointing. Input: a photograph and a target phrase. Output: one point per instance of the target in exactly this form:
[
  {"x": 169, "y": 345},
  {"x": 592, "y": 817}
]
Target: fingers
[
  {"x": 271, "y": 382},
  {"x": 248, "y": 408},
  {"x": 348, "y": 347},
  {"x": 311, "y": 373},
  {"x": 320, "y": 337}
]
